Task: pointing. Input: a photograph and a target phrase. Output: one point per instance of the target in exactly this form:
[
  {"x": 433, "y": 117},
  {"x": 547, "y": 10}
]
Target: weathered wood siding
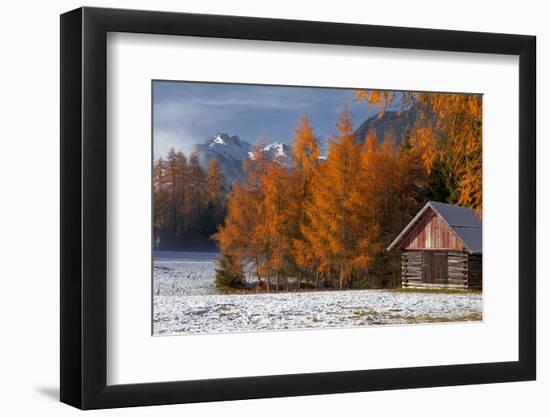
[
  {"x": 432, "y": 233},
  {"x": 464, "y": 271},
  {"x": 411, "y": 268},
  {"x": 475, "y": 266}
]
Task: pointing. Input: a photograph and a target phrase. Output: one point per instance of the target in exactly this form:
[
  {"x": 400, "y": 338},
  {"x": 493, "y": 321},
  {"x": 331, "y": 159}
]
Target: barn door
[
  {"x": 427, "y": 268},
  {"x": 434, "y": 267},
  {"x": 440, "y": 268}
]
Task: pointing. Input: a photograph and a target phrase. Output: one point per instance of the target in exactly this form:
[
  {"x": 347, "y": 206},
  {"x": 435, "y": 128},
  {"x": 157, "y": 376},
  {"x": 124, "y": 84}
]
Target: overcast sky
[{"x": 186, "y": 113}]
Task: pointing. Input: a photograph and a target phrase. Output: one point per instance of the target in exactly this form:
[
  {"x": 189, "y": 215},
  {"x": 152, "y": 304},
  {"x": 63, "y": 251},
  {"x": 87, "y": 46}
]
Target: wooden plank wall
[
  {"x": 464, "y": 271},
  {"x": 458, "y": 270},
  {"x": 432, "y": 233},
  {"x": 475, "y": 269},
  {"x": 411, "y": 269}
]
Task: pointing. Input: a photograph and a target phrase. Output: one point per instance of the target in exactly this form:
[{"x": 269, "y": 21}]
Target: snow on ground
[
  {"x": 184, "y": 273},
  {"x": 186, "y": 301}
]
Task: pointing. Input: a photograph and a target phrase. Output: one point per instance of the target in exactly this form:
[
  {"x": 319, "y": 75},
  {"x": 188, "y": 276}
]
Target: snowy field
[
  {"x": 184, "y": 273},
  {"x": 186, "y": 301}
]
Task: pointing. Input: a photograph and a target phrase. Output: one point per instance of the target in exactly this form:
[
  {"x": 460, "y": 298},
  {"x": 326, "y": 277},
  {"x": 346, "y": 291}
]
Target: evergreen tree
[
  {"x": 229, "y": 274},
  {"x": 181, "y": 193},
  {"x": 196, "y": 196},
  {"x": 160, "y": 199},
  {"x": 189, "y": 203},
  {"x": 172, "y": 175},
  {"x": 214, "y": 196}
]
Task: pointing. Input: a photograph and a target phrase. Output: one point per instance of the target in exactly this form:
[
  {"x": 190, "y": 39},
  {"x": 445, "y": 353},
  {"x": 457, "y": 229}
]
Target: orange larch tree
[
  {"x": 281, "y": 207},
  {"x": 448, "y": 132},
  {"x": 390, "y": 183},
  {"x": 245, "y": 235},
  {"x": 305, "y": 156},
  {"x": 333, "y": 219}
]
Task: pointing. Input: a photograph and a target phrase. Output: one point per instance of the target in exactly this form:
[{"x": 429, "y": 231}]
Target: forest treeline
[
  {"x": 189, "y": 202},
  {"x": 325, "y": 222}
]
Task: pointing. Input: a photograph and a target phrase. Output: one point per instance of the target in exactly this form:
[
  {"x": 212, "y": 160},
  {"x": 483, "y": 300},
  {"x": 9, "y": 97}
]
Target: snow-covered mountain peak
[
  {"x": 223, "y": 144},
  {"x": 277, "y": 149},
  {"x": 231, "y": 151},
  {"x": 224, "y": 139},
  {"x": 218, "y": 139}
]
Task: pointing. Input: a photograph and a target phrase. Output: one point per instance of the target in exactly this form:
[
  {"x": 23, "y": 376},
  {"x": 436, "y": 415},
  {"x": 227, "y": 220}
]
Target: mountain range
[
  {"x": 389, "y": 123},
  {"x": 231, "y": 151}
]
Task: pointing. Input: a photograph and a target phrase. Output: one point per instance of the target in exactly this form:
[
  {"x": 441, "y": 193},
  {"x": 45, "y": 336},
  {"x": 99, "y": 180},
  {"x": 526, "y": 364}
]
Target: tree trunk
[
  {"x": 341, "y": 274},
  {"x": 317, "y": 279},
  {"x": 257, "y": 270}
]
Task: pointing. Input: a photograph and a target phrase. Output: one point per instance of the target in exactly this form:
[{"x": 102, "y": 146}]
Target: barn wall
[
  {"x": 475, "y": 266},
  {"x": 432, "y": 233},
  {"x": 411, "y": 269},
  {"x": 464, "y": 271}
]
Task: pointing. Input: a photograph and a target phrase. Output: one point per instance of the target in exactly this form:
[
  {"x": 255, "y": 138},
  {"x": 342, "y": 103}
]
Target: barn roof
[{"x": 463, "y": 221}]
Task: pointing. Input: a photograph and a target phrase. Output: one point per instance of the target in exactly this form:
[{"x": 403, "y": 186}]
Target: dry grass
[
  {"x": 432, "y": 319},
  {"x": 435, "y": 291}
]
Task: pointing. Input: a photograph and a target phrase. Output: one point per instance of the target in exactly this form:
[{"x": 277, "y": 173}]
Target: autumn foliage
[
  {"x": 326, "y": 221},
  {"x": 189, "y": 202},
  {"x": 447, "y": 136}
]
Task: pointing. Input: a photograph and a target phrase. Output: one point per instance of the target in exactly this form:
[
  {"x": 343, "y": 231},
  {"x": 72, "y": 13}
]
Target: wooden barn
[{"x": 441, "y": 248}]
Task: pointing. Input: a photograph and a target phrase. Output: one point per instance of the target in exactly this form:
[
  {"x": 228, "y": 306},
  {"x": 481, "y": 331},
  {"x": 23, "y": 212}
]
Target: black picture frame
[{"x": 84, "y": 207}]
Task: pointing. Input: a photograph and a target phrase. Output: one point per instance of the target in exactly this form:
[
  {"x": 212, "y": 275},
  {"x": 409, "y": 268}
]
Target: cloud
[
  {"x": 187, "y": 113},
  {"x": 178, "y": 123},
  {"x": 180, "y": 140}
]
